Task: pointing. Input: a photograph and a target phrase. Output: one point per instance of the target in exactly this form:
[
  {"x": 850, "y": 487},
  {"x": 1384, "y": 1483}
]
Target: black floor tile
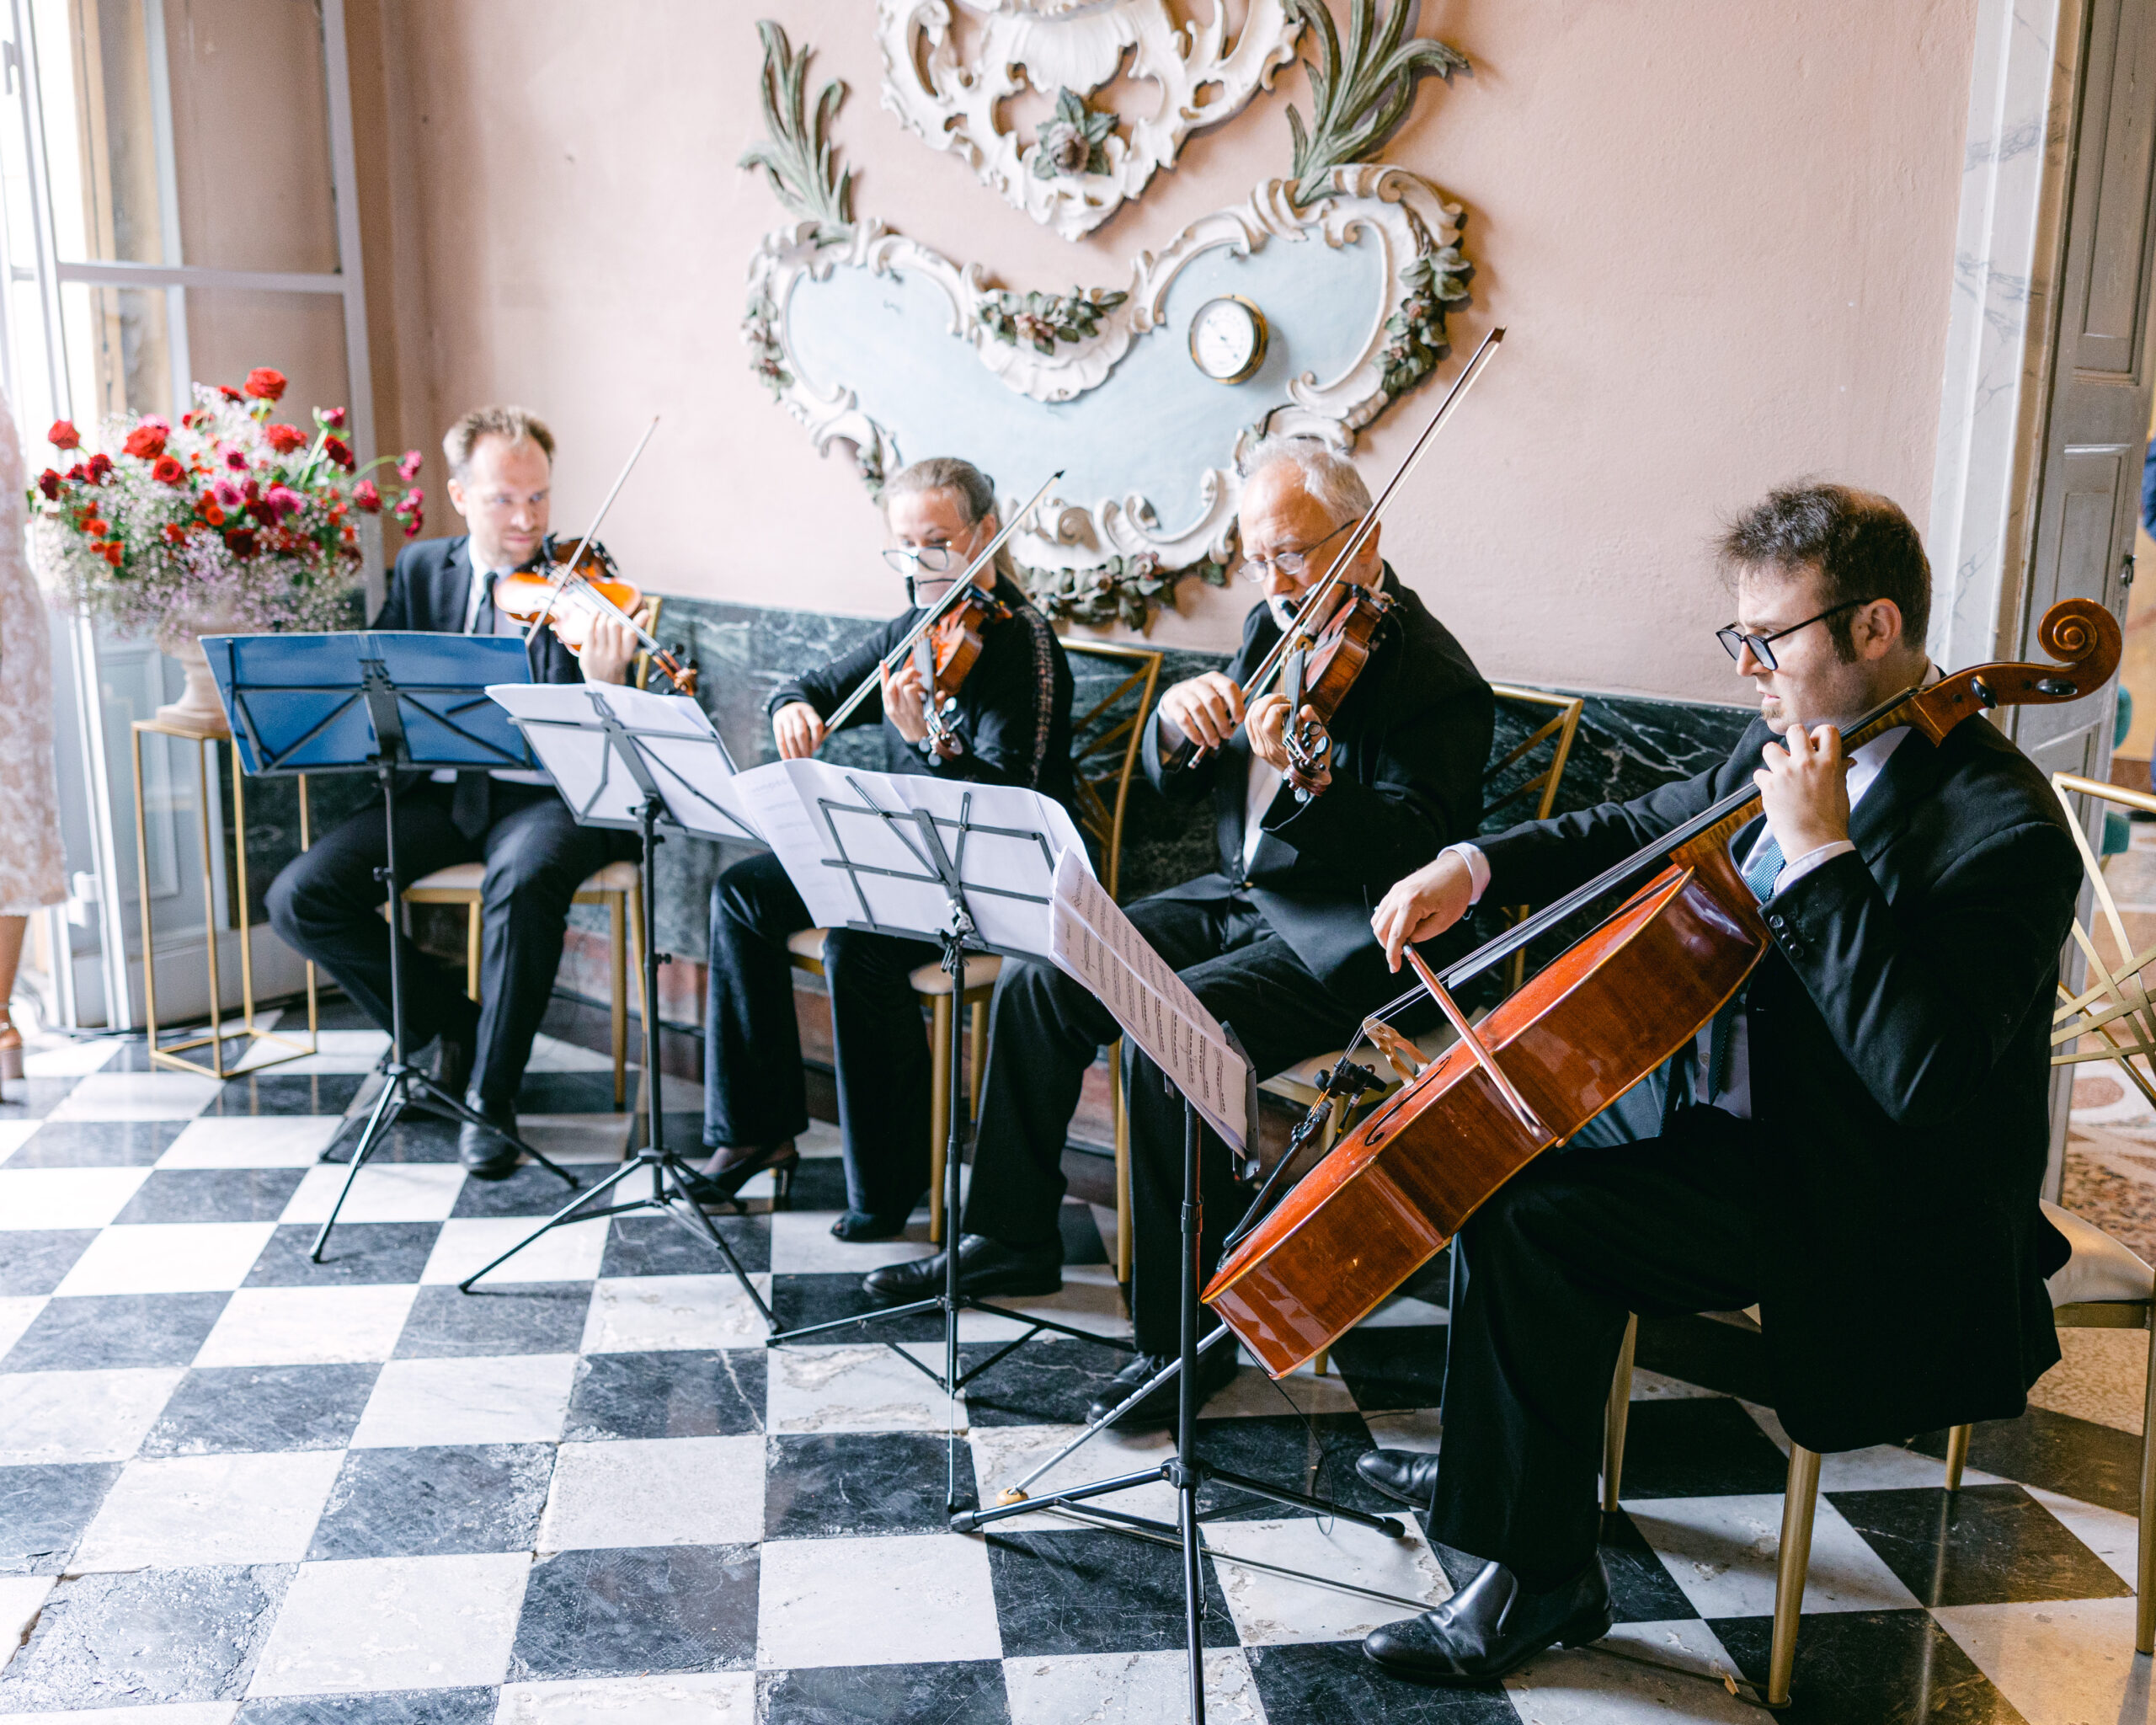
[
  {"x": 288, "y": 1093},
  {"x": 357, "y": 1252},
  {"x": 532, "y": 1191},
  {"x": 154, "y": 1635},
  {"x": 1391, "y": 1366},
  {"x": 1641, "y": 1589},
  {"x": 44, "y": 1509},
  {"x": 1697, "y": 1446},
  {"x": 1327, "y": 1683},
  {"x": 403, "y": 1706},
  {"x": 34, "y": 1260},
  {"x": 1883, "y": 1668},
  {"x": 621, "y": 1612},
  {"x": 659, "y": 1245},
  {"x": 91, "y": 1333},
  {"x": 1088, "y": 1592},
  {"x": 1044, "y": 1383},
  {"x": 819, "y": 1183},
  {"x": 2077, "y": 1458},
  {"x": 33, "y": 1098},
  {"x": 412, "y": 1137},
  {"x": 1980, "y": 1546},
  {"x": 680, "y": 1393},
  {"x": 96, "y": 1143},
  {"x": 825, "y": 1484},
  {"x": 1313, "y": 1454},
  {"x": 435, "y": 1500},
  {"x": 1082, "y": 1236},
  {"x": 799, "y": 1300},
  {"x": 493, "y": 1319},
  {"x": 571, "y": 1092},
  {"x": 240, "y": 1409},
  {"x": 964, "y": 1692},
  {"x": 212, "y": 1195}
]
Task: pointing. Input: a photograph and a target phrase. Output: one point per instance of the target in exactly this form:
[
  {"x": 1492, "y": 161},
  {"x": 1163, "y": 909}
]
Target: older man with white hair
[{"x": 1277, "y": 942}]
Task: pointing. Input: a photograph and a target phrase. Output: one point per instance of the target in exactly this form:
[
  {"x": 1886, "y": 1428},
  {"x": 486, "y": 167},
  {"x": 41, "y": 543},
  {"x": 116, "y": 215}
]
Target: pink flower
[
  {"x": 332, "y": 417},
  {"x": 407, "y": 469},
  {"x": 227, "y": 493},
  {"x": 284, "y": 501},
  {"x": 363, "y": 496},
  {"x": 236, "y": 461}
]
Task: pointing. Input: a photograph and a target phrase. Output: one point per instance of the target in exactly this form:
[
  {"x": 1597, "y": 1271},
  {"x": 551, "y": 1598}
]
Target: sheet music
[{"x": 1092, "y": 940}]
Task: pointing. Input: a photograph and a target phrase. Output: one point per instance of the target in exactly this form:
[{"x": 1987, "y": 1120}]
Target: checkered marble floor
[{"x": 235, "y": 1485}]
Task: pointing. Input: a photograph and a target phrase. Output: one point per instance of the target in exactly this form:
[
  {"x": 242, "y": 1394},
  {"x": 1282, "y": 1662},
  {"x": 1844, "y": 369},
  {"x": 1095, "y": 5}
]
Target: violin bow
[
  {"x": 1313, "y": 603},
  {"x": 568, "y": 569},
  {"x": 897, "y": 656}
]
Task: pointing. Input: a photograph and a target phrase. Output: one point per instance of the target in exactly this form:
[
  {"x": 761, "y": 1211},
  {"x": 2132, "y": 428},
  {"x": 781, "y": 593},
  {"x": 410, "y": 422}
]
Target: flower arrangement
[{"x": 229, "y": 518}]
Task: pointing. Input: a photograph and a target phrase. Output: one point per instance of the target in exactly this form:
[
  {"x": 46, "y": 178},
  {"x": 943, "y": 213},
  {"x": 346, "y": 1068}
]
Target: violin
[
  {"x": 946, "y": 655},
  {"x": 570, "y": 595},
  {"x": 1576, "y": 1036},
  {"x": 1319, "y": 678}
]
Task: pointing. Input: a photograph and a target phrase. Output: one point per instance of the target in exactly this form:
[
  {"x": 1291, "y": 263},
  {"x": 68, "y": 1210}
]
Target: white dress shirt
[{"x": 503, "y": 626}]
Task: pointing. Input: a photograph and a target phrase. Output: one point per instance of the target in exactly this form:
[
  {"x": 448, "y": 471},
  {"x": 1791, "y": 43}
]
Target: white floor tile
[
  {"x": 550, "y": 1054},
  {"x": 168, "y": 1713},
  {"x": 253, "y": 1141},
  {"x": 514, "y": 1399},
  {"x": 18, "y": 1311},
  {"x": 1269, "y": 1609},
  {"x": 577, "y": 1137},
  {"x": 394, "y": 1623},
  {"x": 196, "y": 1510},
  {"x": 22, "y": 1597},
  {"x": 337, "y": 1050},
  {"x": 65, "y": 1197},
  {"x": 802, "y": 1244},
  {"x": 1417, "y": 1428},
  {"x": 2112, "y": 1536},
  {"x": 902, "y": 1599},
  {"x": 1585, "y": 1686},
  {"x": 381, "y": 1191},
  {"x": 851, "y": 1390},
  {"x": 638, "y": 1314},
  {"x": 1653, "y": 1387},
  {"x": 2063, "y": 1662},
  {"x": 137, "y": 1096},
  {"x": 1721, "y": 1552},
  {"x": 1089, "y": 1301},
  {"x": 713, "y": 1698},
  {"x": 308, "y": 1325},
  {"x": 1251, "y": 1393},
  {"x": 656, "y": 1492},
  {"x": 81, "y": 1416},
  {"x": 1129, "y": 1689},
  {"x": 1004, "y": 1455},
  {"x": 570, "y": 1254},
  {"x": 70, "y": 1060},
  {"x": 169, "y": 1257},
  {"x": 13, "y": 1135}
]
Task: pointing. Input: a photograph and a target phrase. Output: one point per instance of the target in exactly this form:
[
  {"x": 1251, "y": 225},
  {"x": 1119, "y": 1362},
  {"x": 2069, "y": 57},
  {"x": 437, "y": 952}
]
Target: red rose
[
  {"x": 166, "y": 470},
  {"x": 264, "y": 384},
  {"x": 241, "y": 540},
  {"x": 365, "y": 497},
  {"x": 48, "y": 482},
  {"x": 79, "y": 473},
  {"x": 147, "y": 440},
  {"x": 112, "y": 554},
  {"x": 95, "y": 528},
  {"x": 339, "y": 451},
  {"x": 285, "y": 439},
  {"x": 100, "y": 467},
  {"x": 174, "y": 533},
  {"x": 207, "y": 509},
  {"x": 229, "y": 393},
  {"x": 64, "y": 435}
]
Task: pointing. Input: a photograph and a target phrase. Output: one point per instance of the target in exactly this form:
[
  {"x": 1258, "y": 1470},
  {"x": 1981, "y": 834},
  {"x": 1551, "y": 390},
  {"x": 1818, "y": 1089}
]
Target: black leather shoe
[
  {"x": 447, "y": 1062},
  {"x": 1492, "y": 1626},
  {"x": 1216, "y": 1370},
  {"x": 486, "y": 1154},
  {"x": 985, "y": 1266},
  {"x": 1406, "y": 1475}
]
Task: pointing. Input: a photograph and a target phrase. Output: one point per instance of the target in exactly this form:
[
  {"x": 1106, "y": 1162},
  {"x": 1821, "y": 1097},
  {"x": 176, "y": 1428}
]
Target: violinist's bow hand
[
  {"x": 1423, "y": 905},
  {"x": 1206, "y": 709}
]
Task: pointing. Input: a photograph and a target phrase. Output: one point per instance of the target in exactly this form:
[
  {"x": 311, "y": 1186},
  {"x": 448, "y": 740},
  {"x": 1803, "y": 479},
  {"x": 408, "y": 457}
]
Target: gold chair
[{"x": 1103, "y": 754}]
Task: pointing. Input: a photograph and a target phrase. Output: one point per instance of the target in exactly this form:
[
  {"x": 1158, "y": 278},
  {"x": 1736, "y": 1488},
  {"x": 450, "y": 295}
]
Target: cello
[{"x": 1576, "y": 1035}]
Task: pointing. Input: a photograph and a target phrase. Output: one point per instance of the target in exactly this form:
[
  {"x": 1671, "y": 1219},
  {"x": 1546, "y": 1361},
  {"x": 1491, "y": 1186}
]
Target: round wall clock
[{"x": 1227, "y": 338}]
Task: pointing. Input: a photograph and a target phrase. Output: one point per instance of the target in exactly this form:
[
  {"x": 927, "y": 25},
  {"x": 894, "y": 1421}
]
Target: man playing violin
[
  {"x": 1277, "y": 942},
  {"x": 1007, "y": 722},
  {"x": 1856, "y": 1144},
  {"x": 327, "y": 903}
]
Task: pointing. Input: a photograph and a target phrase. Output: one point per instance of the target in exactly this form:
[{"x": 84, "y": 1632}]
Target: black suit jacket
[
  {"x": 1900, "y": 1068},
  {"x": 1409, "y": 745},
  {"x": 428, "y": 590}
]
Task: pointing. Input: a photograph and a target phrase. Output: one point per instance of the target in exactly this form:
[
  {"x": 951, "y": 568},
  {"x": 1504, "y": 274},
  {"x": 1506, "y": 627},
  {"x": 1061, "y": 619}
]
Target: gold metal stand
[{"x": 170, "y": 1054}]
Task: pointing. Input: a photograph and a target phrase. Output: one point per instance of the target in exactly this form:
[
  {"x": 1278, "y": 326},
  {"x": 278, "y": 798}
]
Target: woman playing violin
[
  {"x": 1855, "y": 1143},
  {"x": 986, "y": 698}
]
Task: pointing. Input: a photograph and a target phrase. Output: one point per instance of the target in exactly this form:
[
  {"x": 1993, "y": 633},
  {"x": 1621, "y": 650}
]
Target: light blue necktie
[{"x": 1759, "y": 874}]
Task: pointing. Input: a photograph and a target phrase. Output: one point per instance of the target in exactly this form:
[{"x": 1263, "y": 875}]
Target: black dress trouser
[
  {"x": 327, "y": 904},
  {"x": 753, "y": 1091},
  {"x": 1550, "y": 1265},
  {"x": 1046, "y": 1030}
]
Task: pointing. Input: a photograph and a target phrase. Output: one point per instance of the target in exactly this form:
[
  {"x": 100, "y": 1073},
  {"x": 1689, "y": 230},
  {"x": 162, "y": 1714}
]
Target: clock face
[{"x": 1227, "y": 338}]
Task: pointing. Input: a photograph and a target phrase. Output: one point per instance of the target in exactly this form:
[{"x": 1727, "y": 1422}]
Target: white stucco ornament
[{"x": 948, "y": 74}]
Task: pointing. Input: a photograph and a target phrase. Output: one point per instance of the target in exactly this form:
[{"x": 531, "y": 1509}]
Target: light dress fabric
[{"x": 32, "y": 873}]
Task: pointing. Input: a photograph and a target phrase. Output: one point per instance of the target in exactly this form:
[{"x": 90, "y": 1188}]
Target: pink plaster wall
[{"x": 1720, "y": 235}]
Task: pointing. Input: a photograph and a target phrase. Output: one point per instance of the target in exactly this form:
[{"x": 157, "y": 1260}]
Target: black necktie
[{"x": 468, "y": 802}]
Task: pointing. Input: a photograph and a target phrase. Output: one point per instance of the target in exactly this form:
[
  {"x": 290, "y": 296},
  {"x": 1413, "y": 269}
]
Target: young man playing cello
[
  {"x": 1865, "y": 1127},
  {"x": 1009, "y": 724}
]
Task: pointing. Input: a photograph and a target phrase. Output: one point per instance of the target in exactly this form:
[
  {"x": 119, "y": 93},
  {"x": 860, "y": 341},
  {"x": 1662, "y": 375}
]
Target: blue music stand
[{"x": 388, "y": 703}]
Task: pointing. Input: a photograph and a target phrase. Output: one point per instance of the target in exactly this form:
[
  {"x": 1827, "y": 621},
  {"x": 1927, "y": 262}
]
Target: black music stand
[
  {"x": 387, "y": 703},
  {"x": 920, "y": 846},
  {"x": 1158, "y": 1026},
  {"x": 671, "y": 763}
]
